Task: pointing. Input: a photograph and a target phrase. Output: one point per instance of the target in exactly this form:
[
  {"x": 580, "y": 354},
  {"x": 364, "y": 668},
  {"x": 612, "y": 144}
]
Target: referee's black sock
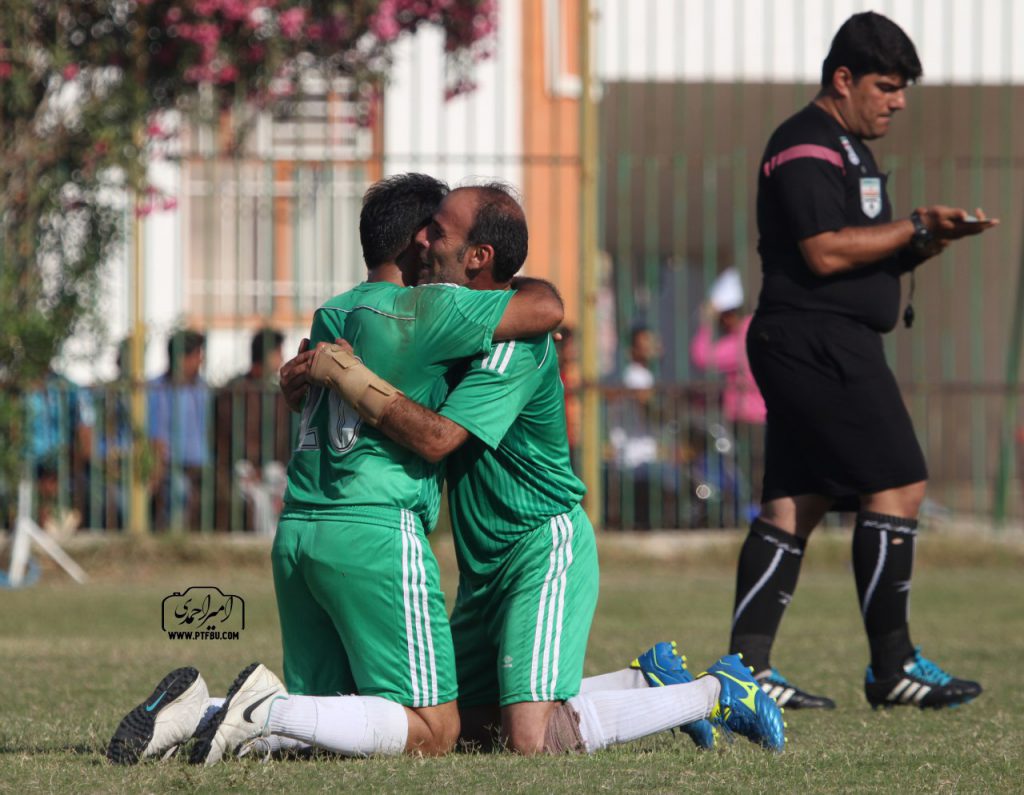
[
  {"x": 765, "y": 580},
  {"x": 883, "y": 561}
]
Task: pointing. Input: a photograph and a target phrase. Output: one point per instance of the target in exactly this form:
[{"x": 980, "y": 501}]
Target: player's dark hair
[
  {"x": 394, "y": 210},
  {"x": 870, "y": 43},
  {"x": 500, "y": 223},
  {"x": 264, "y": 341}
]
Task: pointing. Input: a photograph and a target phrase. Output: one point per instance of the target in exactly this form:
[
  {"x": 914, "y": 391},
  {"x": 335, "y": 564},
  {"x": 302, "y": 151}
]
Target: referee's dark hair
[
  {"x": 870, "y": 43},
  {"x": 500, "y": 223},
  {"x": 394, "y": 210}
]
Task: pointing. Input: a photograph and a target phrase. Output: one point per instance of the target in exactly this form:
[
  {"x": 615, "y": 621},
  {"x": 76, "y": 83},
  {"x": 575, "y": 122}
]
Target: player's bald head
[{"x": 499, "y": 221}]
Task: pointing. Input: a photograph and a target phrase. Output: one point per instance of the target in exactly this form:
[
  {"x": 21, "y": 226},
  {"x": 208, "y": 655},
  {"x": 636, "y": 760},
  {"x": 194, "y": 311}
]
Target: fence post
[
  {"x": 590, "y": 276},
  {"x": 1008, "y": 438},
  {"x": 138, "y": 514}
]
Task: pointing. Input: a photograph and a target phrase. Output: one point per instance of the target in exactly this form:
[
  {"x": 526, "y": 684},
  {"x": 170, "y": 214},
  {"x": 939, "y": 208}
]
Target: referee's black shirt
[{"x": 817, "y": 177}]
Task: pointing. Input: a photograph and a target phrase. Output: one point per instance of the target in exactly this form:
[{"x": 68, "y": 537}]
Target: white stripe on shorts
[
  {"x": 550, "y": 610},
  {"x": 416, "y": 599}
]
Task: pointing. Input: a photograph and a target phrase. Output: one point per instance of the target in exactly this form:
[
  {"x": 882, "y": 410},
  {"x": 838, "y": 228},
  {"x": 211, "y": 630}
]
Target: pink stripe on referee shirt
[{"x": 804, "y": 150}]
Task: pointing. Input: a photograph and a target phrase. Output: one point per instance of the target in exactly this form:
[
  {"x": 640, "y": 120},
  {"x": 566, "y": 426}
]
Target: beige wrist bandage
[{"x": 338, "y": 369}]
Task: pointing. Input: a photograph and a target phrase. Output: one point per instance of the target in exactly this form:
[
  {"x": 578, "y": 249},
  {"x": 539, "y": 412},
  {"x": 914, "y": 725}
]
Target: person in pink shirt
[
  {"x": 726, "y": 353},
  {"x": 720, "y": 345}
]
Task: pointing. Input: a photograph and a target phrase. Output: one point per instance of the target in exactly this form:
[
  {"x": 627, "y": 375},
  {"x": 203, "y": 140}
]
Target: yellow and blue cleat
[
  {"x": 662, "y": 665},
  {"x": 743, "y": 707}
]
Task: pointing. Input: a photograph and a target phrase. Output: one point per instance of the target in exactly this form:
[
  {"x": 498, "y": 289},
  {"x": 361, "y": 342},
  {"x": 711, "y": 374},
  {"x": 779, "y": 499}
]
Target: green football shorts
[
  {"x": 361, "y": 607},
  {"x": 522, "y": 635}
]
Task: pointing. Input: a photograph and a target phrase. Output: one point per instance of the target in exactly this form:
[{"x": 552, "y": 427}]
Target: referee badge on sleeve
[{"x": 871, "y": 196}]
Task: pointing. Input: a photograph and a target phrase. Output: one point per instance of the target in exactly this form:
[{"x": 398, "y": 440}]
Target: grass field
[{"x": 74, "y": 659}]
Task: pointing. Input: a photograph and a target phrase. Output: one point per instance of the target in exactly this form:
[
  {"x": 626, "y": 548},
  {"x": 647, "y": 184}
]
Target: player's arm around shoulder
[
  {"x": 421, "y": 430},
  {"x": 382, "y": 406},
  {"x": 535, "y": 308}
]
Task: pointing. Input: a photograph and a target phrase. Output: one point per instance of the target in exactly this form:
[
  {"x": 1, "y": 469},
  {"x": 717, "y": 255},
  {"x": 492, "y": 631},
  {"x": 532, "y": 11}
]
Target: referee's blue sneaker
[
  {"x": 663, "y": 665},
  {"x": 922, "y": 684},
  {"x": 743, "y": 707}
]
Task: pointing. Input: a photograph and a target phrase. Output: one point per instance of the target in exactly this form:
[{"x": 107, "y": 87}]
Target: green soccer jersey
[
  {"x": 411, "y": 337},
  {"x": 513, "y": 474}
]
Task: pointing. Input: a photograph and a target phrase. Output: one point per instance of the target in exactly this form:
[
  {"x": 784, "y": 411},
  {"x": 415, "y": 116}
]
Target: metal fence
[{"x": 685, "y": 96}]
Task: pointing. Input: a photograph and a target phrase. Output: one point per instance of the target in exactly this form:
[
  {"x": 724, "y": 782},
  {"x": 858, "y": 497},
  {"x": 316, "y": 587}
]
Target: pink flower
[
  {"x": 384, "y": 23},
  {"x": 227, "y": 74},
  {"x": 5, "y": 70},
  {"x": 71, "y": 71},
  {"x": 291, "y": 23}
]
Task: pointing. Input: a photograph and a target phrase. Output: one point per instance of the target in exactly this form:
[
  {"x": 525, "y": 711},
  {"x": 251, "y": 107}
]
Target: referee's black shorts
[{"x": 837, "y": 424}]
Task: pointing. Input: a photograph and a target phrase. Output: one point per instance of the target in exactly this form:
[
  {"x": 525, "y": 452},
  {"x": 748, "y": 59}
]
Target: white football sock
[
  {"x": 626, "y": 679},
  {"x": 347, "y": 725},
  {"x": 617, "y": 716},
  {"x": 277, "y": 743}
]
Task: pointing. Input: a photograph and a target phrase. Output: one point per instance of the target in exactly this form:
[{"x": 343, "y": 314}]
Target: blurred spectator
[
  {"x": 644, "y": 350},
  {"x": 254, "y": 427},
  {"x": 177, "y": 427},
  {"x": 569, "y": 369},
  {"x": 720, "y": 346},
  {"x": 58, "y": 420},
  {"x": 111, "y": 448},
  {"x": 634, "y": 436},
  {"x": 641, "y": 471}
]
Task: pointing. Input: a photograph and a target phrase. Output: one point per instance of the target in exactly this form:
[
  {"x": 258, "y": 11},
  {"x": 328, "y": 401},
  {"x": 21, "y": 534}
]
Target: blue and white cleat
[
  {"x": 922, "y": 684},
  {"x": 743, "y": 707},
  {"x": 662, "y": 665}
]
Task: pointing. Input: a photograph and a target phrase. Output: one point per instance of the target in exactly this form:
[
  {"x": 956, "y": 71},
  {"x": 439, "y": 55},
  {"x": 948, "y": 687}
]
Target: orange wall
[{"x": 551, "y": 169}]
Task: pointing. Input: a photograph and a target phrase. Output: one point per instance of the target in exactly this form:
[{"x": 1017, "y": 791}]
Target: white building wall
[
  {"x": 478, "y": 134},
  {"x": 958, "y": 41}
]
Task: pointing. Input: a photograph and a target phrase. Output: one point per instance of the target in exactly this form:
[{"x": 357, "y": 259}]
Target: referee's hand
[{"x": 953, "y": 223}]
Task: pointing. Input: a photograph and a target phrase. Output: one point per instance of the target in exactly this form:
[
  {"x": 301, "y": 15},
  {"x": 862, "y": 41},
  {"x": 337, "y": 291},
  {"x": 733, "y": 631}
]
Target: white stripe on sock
[
  {"x": 758, "y": 585},
  {"x": 883, "y": 537}
]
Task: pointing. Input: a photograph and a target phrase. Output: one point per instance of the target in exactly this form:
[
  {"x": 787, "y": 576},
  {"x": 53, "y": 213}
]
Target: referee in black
[{"x": 838, "y": 434}]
